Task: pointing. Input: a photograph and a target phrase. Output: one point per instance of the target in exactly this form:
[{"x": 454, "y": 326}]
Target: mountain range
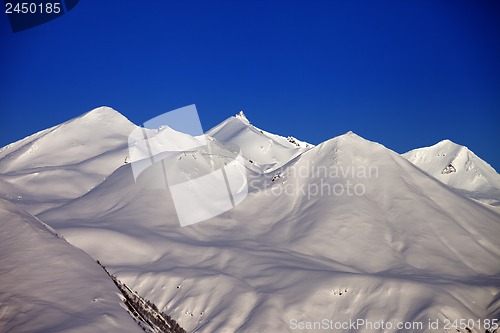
[{"x": 346, "y": 230}]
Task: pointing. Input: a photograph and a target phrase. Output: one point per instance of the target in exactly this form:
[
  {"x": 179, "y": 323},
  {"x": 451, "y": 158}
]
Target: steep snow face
[
  {"x": 65, "y": 161},
  {"x": 349, "y": 229},
  {"x": 48, "y": 285},
  {"x": 460, "y": 168},
  {"x": 267, "y": 150}
]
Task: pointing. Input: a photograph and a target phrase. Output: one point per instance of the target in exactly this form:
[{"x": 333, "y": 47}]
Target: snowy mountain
[
  {"x": 72, "y": 157},
  {"x": 460, "y": 168},
  {"x": 269, "y": 151},
  {"x": 344, "y": 230}
]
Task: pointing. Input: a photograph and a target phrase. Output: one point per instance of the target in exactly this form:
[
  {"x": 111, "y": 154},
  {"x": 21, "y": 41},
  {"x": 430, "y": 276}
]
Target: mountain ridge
[{"x": 345, "y": 229}]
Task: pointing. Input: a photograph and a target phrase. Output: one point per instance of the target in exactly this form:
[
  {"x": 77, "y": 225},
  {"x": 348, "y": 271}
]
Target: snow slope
[
  {"x": 398, "y": 249},
  {"x": 72, "y": 157},
  {"x": 460, "y": 168},
  {"x": 47, "y": 285},
  {"x": 347, "y": 229}
]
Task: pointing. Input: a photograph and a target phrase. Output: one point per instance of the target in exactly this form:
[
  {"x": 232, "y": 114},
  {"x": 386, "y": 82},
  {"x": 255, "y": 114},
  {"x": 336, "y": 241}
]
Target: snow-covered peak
[
  {"x": 348, "y": 148},
  {"x": 71, "y": 142},
  {"x": 347, "y": 141},
  {"x": 350, "y": 135},
  {"x": 102, "y": 112},
  {"x": 67, "y": 160},
  {"x": 448, "y": 146},
  {"x": 241, "y": 115},
  {"x": 456, "y": 166},
  {"x": 261, "y": 147}
]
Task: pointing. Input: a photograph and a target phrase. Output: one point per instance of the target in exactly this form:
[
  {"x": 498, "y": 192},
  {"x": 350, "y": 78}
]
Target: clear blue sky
[{"x": 406, "y": 74}]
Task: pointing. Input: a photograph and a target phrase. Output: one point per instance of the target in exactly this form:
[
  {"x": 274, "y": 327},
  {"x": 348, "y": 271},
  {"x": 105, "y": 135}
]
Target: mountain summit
[
  {"x": 266, "y": 149},
  {"x": 458, "y": 167}
]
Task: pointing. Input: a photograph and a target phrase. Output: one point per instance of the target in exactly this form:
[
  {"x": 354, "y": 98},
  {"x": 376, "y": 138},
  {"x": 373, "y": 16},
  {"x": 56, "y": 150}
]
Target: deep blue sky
[{"x": 406, "y": 74}]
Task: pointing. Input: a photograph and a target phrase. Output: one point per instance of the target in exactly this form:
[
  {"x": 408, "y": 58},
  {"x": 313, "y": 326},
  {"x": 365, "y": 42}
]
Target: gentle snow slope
[{"x": 47, "y": 285}]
